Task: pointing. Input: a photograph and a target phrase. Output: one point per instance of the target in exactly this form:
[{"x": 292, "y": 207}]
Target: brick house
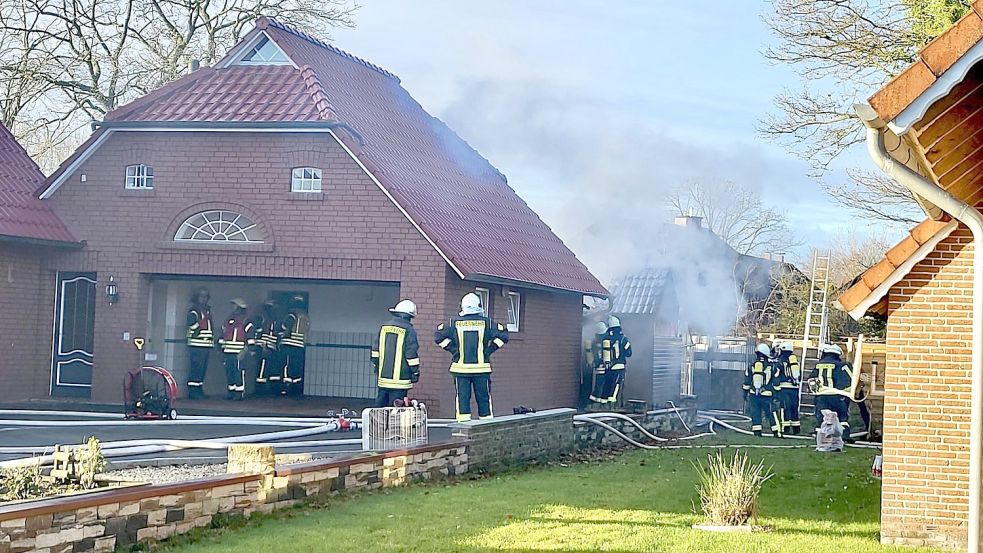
[
  {"x": 292, "y": 167},
  {"x": 924, "y": 129}
]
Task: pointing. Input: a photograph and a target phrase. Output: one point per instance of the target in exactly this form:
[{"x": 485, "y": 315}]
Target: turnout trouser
[
  {"x": 235, "y": 375},
  {"x": 597, "y": 386},
  {"x": 388, "y": 396},
  {"x": 761, "y": 412},
  {"x": 613, "y": 380},
  {"x": 270, "y": 372},
  {"x": 197, "y": 367},
  {"x": 790, "y": 409},
  {"x": 481, "y": 384},
  {"x": 839, "y": 405},
  {"x": 293, "y": 370}
]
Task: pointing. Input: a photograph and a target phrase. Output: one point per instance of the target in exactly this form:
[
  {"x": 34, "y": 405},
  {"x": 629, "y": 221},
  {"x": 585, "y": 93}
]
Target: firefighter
[
  {"x": 471, "y": 339},
  {"x": 236, "y": 331},
  {"x": 759, "y": 391},
  {"x": 789, "y": 379},
  {"x": 293, "y": 345},
  {"x": 200, "y": 339},
  {"x": 268, "y": 377},
  {"x": 598, "y": 366},
  {"x": 395, "y": 355},
  {"x": 615, "y": 351},
  {"x": 833, "y": 380}
]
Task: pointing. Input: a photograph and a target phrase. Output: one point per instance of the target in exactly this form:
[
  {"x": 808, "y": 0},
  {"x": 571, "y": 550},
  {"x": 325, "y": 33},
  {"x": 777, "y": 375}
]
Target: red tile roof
[
  {"x": 22, "y": 215},
  {"x": 456, "y": 197},
  {"x": 878, "y": 274}
]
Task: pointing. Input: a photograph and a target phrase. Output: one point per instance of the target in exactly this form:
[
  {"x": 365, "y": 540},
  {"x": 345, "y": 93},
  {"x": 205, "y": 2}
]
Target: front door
[{"x": 75, "y": 313}]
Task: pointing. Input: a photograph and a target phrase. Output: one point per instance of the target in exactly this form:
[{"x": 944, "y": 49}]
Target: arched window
[{"x": 219, "y": 226}]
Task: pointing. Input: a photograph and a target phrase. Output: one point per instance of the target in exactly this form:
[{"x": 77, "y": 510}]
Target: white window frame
[
  {"x": 515, "y": 311},
  {"x": 263, "y": 41},
  {"x": 219, "y": 226},
  {"x": 139, "y": 177},
  {"x": 305, "y": 179},
  {"x": 485, "y": 295}
]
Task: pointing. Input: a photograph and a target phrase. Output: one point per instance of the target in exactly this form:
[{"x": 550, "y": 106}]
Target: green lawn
[{"x": 639, "y": 502}]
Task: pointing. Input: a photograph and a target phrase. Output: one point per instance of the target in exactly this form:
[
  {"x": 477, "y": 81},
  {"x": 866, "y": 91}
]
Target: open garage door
[{"x": 344, "y": 315}]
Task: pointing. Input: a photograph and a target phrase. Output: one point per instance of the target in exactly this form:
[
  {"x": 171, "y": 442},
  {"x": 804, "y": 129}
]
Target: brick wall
[
  {"x": 927, "y": 400},
  {"x": 26, "y": 294},
  {"x": 512, "y": 440},
  {"x": 661, "y": 422}
]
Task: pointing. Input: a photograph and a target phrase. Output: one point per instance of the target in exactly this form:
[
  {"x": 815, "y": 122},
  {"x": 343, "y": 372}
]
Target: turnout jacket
[
  {"x": 835, "y": 376},
  {"x": 294, "y": 329},
  {"x": 395, "y": 354},
  {"x": 471, "y": 340},
  {"x": 789, "y": 372},
  {"x": 760, "y": 377},
  {"x": 615, "y": 350},
  {"x": 595, "y": 353},
  {"x": 199, "y": 323},
  {"x": 235, "y": 332}
]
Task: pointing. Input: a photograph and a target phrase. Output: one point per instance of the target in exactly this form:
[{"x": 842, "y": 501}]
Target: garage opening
[{"x": 344, "y": 317}]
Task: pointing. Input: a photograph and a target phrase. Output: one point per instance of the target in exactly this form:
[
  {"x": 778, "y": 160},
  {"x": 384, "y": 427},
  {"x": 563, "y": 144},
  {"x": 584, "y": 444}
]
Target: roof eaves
[
  {"x": 28, "y": 241},
  {"x": 601, "y": 292},
  {"x": 876, "y": 282}
]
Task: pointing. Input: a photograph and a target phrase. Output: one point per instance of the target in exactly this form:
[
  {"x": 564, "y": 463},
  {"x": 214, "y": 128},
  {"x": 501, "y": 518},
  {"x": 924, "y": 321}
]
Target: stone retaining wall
[
  {"x": 501, "y": 442},
  {"x": 103, "y": 521},
  {"x": 663, "y": 423}
]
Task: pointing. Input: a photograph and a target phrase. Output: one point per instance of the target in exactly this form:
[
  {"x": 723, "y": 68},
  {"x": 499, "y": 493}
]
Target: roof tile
[
  {"x": 640, "y": 293},
  {"x": 902, "y": 90},
  {"x": 945, "y": 50},
  {"x": 22, "y": 215}
]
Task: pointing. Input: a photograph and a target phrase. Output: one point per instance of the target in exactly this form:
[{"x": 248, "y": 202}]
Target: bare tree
[
  {"x": 844, "y": 50},
  {"x": 894, "y": 203},
  {"x": 65, "y": 62},
  {"x": 735, "y": 213}
]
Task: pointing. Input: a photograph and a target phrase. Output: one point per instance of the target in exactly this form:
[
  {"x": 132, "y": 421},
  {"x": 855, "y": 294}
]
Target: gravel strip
[{"x": 166, "y": 475}]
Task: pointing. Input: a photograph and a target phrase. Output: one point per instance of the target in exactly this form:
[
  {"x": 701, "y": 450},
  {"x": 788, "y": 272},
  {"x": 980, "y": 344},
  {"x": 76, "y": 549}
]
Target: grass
[{"x": 638, "y": 502}]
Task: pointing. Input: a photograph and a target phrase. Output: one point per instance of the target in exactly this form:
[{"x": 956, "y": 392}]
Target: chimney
[
  {"x": 689, "y": 221},
  {"x": 778, "y": 257},
  {"x": 766, "y": 256},
  {"x": 193, "y": 65}
]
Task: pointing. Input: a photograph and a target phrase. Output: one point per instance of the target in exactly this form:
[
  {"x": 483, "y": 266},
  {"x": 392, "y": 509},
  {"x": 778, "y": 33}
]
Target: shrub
[
  {"x": 25, "y": 482},
  {"x": 729, "y": 488},
  {"x": 90, "y": 462}
]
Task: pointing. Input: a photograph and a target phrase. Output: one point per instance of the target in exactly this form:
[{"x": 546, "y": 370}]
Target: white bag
[{"x": 829, "y": 437}]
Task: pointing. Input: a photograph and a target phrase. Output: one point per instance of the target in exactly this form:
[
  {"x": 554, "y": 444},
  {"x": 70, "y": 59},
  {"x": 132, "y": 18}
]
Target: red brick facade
[
  {"x": 26, "y": 294},
  {"x": 927, "y": 399},
  {"x": 351, "y": 231}
]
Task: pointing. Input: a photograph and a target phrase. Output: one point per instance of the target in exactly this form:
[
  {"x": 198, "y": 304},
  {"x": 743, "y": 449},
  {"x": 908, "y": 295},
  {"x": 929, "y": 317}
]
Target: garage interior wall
[{"x": 344, "y": 317}]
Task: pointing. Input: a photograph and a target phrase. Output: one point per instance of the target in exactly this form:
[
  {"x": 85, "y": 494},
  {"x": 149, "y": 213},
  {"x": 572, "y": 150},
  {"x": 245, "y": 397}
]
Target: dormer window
[
  {"x": 305, "y": 179},
  {"x": 266, "y": 52},
  {"x": 139, "y": 177}
]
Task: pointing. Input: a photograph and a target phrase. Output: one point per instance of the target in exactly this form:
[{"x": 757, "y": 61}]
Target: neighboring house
[
  {"x": 293, "y": 167},
  {"x": 30, "y": 233},
  {"x": 924, "y": 129}
]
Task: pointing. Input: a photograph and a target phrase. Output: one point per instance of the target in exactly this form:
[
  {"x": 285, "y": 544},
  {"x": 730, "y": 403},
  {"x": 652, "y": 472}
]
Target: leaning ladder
[{"x": 816, "y": 324}]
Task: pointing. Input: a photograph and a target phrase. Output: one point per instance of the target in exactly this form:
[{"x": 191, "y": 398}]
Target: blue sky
[{"x": 578, "y": 102}]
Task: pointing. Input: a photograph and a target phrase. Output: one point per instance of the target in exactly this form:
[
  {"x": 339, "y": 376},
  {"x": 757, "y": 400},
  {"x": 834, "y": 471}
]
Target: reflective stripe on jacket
[
  {"x": 471, "y": 340},
  {"x": 199, "y": 322},
  {"x": 395, "y": 355},
  {"x": 295, "y": 327}
]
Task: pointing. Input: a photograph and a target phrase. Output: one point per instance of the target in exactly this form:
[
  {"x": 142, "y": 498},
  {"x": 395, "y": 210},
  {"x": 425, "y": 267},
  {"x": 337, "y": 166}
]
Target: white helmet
[
  {"x": 787, "y": 346},
  {"x": 830, "y": 348},
  {"x": 471, "y": 305},
  {"x": 405, "y": 307},
  {"x": 614, "y": 322},
  {"x": 763, "y": 349},
  {"x": 600, "y": 327}
]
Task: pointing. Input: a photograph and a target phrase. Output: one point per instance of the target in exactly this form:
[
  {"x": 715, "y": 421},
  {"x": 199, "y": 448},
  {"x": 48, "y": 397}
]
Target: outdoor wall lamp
[{"x": 112, "y": 291}]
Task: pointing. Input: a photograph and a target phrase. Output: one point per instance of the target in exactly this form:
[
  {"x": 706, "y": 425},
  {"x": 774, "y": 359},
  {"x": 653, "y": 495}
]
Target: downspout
[{"x": 971, "y": 217}]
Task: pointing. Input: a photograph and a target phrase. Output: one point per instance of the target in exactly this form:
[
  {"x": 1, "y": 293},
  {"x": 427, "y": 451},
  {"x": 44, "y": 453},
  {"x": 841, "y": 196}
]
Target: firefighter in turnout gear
[
  {"x": 471, "y": 339},
  {"x": 200, "y": 340},
  {"x": 615, "y": 351},
  {"x": 395, "y": 355},
  {"x": 832, "y": 380},
  {"x": 759, "y": 391},
  {"x": 236, "y": 331},
  {"x": 293, "y": 344},
  {"x": 270, "y": 372},
  {"x": 598, "y": 366},
  {"x": 789, "y": 379}
]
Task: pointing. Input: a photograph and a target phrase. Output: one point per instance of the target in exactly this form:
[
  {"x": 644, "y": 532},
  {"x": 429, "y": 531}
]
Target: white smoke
[{"x": 607, "y": 179}]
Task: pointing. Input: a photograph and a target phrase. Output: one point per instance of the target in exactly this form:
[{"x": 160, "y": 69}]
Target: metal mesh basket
[{"x": 393, "y": 427}]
